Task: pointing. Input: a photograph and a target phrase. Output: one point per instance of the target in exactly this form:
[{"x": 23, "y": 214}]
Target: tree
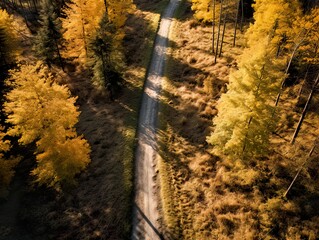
[
  {"x": 202, "y": 10},
  {"x": 83, "y": 17},
  {"x": 245, "y": 118},
  {"x": 48, "y": 40},
  {"x": 306, "y": 32},
  {"x": 218, "y": 34},
  {"x": 107, "y": 47},
  {"x": 103, "y": 46},
  {"x": 8, "y": 40},
  {"x": 273, "y": 18},
  {"x": 304, "y": 111},
  {"x": 240, "y": 2},
  {"x": 43, "y": 112}
]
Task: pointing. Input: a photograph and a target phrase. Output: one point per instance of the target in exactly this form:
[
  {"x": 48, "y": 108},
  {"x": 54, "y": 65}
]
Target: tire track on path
[{"x": 145, "y": 210}]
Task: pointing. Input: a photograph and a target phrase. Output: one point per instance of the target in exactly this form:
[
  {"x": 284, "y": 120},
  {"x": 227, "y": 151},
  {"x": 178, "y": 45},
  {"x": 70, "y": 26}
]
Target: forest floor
[
  {"x": 100, "y": 205},
  {"x": 208, "y": 197}
]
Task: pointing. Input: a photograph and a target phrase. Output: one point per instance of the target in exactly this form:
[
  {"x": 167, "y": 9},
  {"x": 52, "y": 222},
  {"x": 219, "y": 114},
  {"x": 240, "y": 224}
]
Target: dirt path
[{"x": 146, "y": 215}]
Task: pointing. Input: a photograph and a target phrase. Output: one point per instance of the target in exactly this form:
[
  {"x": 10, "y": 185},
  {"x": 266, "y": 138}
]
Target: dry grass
[
  {"x": 99, "y": 207},
  {"x": 207, "y": 197}
]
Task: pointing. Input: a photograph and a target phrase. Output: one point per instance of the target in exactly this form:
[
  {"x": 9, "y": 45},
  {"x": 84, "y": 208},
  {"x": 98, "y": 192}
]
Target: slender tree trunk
[
  {"x": 304, "y": 111},
  {"x": 242, "y": 16},
  {"x": 287, "y": 70},
  {"x": 301, "y": 167},
  {"x": 224, "y": 29},
  {"x": 303, "y": 84},
  {"x": 214, "y": 15},
  {"x": 105, "y": 4},
  {"x": 83, "y": 30},
  {"x": 245, "y": 141},
  {"x": 58, "y": 52},
  {"x": 236, "y": 22},
  {"x": 218, "y": 34}
]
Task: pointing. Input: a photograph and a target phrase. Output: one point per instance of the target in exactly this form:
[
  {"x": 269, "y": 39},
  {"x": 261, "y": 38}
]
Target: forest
[{"x": 237, "y": 136}]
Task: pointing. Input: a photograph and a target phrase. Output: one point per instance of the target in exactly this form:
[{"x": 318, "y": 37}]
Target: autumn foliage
[{"x": 43, "y": 112}]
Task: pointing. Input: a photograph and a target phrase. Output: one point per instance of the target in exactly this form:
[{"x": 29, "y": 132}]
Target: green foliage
[
  {"x": 48, "y": 40},
  {"x": 107, "y": 56},
  {"x": 42, "y": 111}
]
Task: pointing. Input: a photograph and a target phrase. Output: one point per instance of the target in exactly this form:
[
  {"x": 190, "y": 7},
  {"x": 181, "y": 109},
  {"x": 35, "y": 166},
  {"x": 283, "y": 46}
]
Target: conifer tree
[
  {"x": 8, "y": 40},
  {"x": 245, "y": 113},
  {"x": 106, "y": 60},
  {"x": 43, "y": 112},
  {"x": 102, "y": 46},
  {"x": 83, "y": 17},
  {"x": 117, "y": 12},
  {"x": 48, "y": 40}
]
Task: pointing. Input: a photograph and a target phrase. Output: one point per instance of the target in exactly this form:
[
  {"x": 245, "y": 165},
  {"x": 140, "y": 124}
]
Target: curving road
[{"x": 145, "y": 212}]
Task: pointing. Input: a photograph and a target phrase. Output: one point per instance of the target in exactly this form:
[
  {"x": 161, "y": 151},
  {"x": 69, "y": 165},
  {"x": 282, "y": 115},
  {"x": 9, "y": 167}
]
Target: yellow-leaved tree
[
  {"x": 82, "y": 20},
  {"x": 246, "y": 113},
  {"x": 117, "y": 13},
  {"x": 274, "y": 18},
  {"x": 43, "y": 112},
  {"x": 306, "y": 30},
  {"x": 8, "y": 39}
]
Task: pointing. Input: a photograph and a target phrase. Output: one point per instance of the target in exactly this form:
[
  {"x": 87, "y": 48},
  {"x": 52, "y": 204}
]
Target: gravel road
[{"x": 146, "y": 214}]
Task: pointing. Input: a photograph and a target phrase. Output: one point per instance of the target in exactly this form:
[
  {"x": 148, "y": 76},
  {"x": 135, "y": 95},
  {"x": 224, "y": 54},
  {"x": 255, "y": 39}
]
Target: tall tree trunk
[
  {"x": 83, "y": 31},
  {"x": 59, "y": 55},
  {"x": 245, "y": 141},
  {"x": 287, "y": 70},
  {"x": 218, "y": 34},
  {"x": 242, "y": 16},
  {"x": 224, "y": 29},
  {"x": 236, "y": 22},
  {"x": 302, "y": 166},
  {"x": 303, "y": 84},
  {"x": 105, "y": 4},
  {"x": 304, "y": 111},
  {"x": 214, "y": 15}
]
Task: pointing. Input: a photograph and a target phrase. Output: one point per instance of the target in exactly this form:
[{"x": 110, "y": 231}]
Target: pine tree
[
  {"x": 8, "y": 40},
  {"x": 43, "y": 112},
  {"x": 106, "y": 58},
  {"x": 48, "y": 40},
  {"x": 83, "y": 17},
  {"x": 273, "y": 18},
  {"x": 245, "y": 113}
]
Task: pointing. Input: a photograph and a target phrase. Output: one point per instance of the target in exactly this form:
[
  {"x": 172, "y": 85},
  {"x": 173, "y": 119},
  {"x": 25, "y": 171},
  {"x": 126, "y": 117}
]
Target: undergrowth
[
  {"x": 100, "y": 206},
  {"x": 210, "y": 197}
]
